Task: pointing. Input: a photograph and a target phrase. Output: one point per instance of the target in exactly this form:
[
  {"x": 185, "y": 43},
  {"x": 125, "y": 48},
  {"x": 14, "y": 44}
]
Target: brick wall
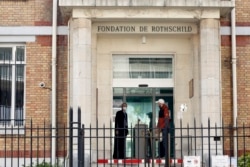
[
  {"x": 38, "y": 68},
  {"x": 31, "y": 12},
  {"x": 243, "y": 73},
  {"x": 242, "y": 12}
]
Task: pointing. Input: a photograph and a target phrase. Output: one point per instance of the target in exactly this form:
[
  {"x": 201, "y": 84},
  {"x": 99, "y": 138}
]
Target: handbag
[{"x": 157, "y": 134}]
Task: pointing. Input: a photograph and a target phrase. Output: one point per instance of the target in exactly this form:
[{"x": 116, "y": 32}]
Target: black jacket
[{"x": 121, "y": 123}]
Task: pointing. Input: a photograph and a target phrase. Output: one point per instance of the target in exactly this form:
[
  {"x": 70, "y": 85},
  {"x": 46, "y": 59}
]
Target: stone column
[
  {"x": 210, "y": 72},
  {"x": 80, "y": 74},
  {"x": 210, "y": 85},
  {"x": 80, "y": 67}
]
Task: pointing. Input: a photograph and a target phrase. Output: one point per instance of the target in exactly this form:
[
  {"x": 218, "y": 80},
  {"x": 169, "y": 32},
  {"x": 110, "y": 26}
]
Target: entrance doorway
[{"x": 141, "y": 104}]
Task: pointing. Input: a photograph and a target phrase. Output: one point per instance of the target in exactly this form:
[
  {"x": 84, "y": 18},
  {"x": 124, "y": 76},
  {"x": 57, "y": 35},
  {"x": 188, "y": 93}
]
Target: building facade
[{"x": 190, "y": 53}]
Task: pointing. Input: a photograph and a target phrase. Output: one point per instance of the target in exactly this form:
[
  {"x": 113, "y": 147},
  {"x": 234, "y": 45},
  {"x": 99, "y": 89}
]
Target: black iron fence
[{"x": 79, "y": 145}]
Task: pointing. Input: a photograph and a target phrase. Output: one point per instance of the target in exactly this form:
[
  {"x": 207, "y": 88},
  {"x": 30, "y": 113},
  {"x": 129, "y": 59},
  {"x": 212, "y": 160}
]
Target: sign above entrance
[{"x": 144, "y": 28}]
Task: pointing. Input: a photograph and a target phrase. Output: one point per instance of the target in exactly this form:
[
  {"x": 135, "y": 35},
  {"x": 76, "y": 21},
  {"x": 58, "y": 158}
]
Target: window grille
[{"x": 12, "y": 67}]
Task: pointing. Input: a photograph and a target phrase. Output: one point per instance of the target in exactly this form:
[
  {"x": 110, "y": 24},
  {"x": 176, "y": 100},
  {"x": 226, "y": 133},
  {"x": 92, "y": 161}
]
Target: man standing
[
  {"x": 121, "y": 131},
  {"x": 161, "y": 125}
]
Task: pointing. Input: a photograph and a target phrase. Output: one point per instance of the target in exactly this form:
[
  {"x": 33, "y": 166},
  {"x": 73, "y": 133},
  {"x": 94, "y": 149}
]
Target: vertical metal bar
[
  {"x": 209, "y": 147},
  {"x": 202, "y": 138},
  {"x": 24, "y": 145},
  {"x": 37, "y": 145},
  {"x": 188, "y": 139},
  {"x": 104, "y": 142},
  {"x": 44, "y": 141},
  {"x": 195, "y": 128},
  {"x": 57, "y": 139},
  {"x": 131, "y": 139},
  {"x": 138, "y": 141},
  {"x": 237, "y": 136},
  {"x": 83, "y": 145},
  {"x": 244, "y": 144},
  {"x": 71, "y": 137},
  {"x": 145, "y": 147},
  {"x": 223, "y": 138},
  {"x": 11, "y": 156},
  {"x": 174, "y": 138},
  {"x": 31, "y": 141},
  {"x": 166, "y": 129},
  {"x": 231, "y": 139},
  {"x": 110, "y": 140},
  {"x": 97, "y": 146},
  {"x": 181, "y": 140},
  {"x": 64, "y": 143},
  {"x": 51, "y": 159},
  {"x": 79, "y": 137},
  {"x": 5, "y": 144},
  {"x": 18, "y": 144},
  {"x": 90, "y": 139},
  {"x": 216, "y": 149}
]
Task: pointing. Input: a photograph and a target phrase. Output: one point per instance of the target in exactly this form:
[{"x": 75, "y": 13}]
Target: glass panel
[
  {"x": 139, "y": 91},
  {"x": 163, "y": 91},
  {"x": 20, "y": 53},
  {"x": 5, "y": 54},
  {"x": 117, "y": 102},
  {"x": 147, "y": 67},
  {"x": 138, "y": 109},
  {"x": 117, "y": 91},
  {"x": 5, "y": 93},
  {"x": 19, "y": 95}
]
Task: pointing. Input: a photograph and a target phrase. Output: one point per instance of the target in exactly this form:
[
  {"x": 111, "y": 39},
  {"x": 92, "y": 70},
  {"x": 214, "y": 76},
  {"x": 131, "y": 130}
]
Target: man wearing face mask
[
  {"x": 161, "y": 125},
  {"x": 121, "y": 131}
]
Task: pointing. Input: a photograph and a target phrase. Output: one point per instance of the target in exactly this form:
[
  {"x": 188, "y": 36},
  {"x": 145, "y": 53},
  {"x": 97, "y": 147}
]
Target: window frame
[
  {"x": 13, "y": 63},
  {"x": 149, "y": 82}
]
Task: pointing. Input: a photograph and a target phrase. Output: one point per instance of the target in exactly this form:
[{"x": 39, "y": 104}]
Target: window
[
  {"x": 142, "y": 67},
  {"x": 12, "y": 67}
]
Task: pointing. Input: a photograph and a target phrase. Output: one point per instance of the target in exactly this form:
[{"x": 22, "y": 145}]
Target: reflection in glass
[
  {"x": 142, "y": 67},
  {"x": 12, "y": 85},
  {"x": 139, "y": 91},
  {"x": 5, "y": 93},
  {"x": 5, "y": 54}
]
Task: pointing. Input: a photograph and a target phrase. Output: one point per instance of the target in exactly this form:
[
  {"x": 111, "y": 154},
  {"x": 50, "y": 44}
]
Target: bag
[{"x": 157, "y": 134}]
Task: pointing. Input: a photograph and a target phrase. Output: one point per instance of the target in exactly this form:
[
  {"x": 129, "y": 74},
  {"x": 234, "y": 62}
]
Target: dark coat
[
  {"x": 121, "y": 123},
  {"x": 121, "y": 131}
]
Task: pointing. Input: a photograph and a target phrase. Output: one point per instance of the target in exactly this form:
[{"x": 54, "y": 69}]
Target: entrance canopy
[{"x": 224, "y": 6}]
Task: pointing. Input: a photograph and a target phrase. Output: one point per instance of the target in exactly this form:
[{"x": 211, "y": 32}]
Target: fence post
[
  {"x": 83, "y": 148},
  {"x": 167, "y": 161},
  {"x": 79, "y": 136},
  {"x": 71, "y": 137}
]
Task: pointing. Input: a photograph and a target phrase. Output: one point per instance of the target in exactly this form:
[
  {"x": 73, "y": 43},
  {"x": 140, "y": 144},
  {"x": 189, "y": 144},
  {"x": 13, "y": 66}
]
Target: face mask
[{"x": 124, "y": 108}]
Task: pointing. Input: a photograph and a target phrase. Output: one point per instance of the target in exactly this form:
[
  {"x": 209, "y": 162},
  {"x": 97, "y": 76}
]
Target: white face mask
[{"x": 124, "y": 108}]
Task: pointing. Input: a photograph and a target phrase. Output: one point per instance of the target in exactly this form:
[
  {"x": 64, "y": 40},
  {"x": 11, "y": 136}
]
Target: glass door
[
  {"x": 143, "y": 111},
  {"x": 138, "y": 109}
]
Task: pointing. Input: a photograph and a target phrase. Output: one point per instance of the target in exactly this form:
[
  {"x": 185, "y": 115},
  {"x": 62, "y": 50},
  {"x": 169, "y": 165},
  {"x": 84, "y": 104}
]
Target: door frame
[{"x": 154, "y": 95}]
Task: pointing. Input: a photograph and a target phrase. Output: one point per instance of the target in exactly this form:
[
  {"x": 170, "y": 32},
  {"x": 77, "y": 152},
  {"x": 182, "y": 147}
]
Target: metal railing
[{"x": 80, "y": 145}]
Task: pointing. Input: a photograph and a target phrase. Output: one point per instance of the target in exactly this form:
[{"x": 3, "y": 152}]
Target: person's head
[
  {"x": 160, "y": 102},
  {"x": 124, "y": 106},
  {"x": 150, "y": 115}
]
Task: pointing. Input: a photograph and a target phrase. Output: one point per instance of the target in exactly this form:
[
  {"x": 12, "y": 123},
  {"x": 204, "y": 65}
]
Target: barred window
[{"x": 12, "y": 67}]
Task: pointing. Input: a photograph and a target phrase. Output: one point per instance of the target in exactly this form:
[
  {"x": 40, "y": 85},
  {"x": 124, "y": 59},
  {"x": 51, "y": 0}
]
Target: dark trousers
[
  {"x": 162, "y": 144},
  {"x": 119, "y": 147}
]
